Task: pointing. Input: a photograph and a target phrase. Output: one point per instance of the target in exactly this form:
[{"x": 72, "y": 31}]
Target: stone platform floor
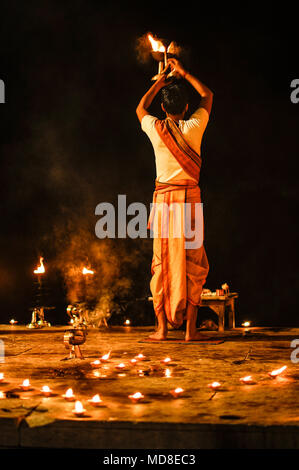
[{"x": 263, "y": 415}]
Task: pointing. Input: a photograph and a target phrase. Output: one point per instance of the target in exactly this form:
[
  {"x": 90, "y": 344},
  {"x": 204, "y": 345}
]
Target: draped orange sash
[{"x": 174, "y": 140}]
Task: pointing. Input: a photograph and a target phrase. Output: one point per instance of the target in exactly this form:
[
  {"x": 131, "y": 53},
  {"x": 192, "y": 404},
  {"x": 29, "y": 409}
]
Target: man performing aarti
[{"x": 178, "y": 272}]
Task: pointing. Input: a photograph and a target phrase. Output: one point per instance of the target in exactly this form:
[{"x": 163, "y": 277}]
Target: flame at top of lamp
[
  {"x": 41, "y": 268},
  {"x": 87, "y": 271},
  {"x": 157, "y": 45}
]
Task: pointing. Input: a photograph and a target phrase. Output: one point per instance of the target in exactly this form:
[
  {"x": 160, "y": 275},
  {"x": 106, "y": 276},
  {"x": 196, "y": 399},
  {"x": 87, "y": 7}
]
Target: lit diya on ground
[
  {"x": 46, "y": 391},
  {"x": 177, "y": 392},
  {"x": 277, "y": 372},
  {"x": 248, "y": 380},
  {"x": 140, "y": 357},
  {"x": 26, "y": 385},
  {"x": 96, "y": 401},
  {"x": 1, "y": 377},
  {"x": 137, "y": 397},
  {"x": 133, "y": 361},
  {"x": 167, "y": 360},
  {"x": 106, "y": 357},
  {"x": 69, "y": 395},
  {"x": 13, "y": 322},
  {"x": 78, "y": 410},
  {"x": 127, "y": 323},
  {"x": 120, "y": 366},
  {"x": 214, "y": 385}
]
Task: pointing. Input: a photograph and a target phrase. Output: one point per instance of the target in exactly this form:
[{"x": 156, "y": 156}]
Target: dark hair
[{"x": 174, "y": 97}]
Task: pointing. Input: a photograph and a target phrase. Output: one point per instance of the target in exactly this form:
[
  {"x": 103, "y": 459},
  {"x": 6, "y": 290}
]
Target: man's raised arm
[
  {"x": 205, "y": 93},
  {"x": 147, "y": 99}
]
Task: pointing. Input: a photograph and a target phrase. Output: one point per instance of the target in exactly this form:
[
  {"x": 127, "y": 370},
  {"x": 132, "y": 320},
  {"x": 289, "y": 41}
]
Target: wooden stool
[{"x": 219, "y": 304}]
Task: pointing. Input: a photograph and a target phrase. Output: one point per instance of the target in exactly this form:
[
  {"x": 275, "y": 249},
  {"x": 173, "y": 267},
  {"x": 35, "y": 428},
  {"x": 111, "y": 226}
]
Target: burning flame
[
  {"x": 276, "y": 372},
  {"x": 246, "y": 323},
  {"x": 95, "y": 363},
  {"x": 96, "y": 399},
  {"x": 127, "y": 322},
  {"x": 26, "y": 383},
  {"x": 177, "y": 392},
  {"x": 1, "y": 376},
  {"x": 69, "y": 393},
  {"x": 166, "y": 360},
  {"x": 167, "y": 373},
  {"x": 248, "y": 378},
  {"x": 106, "y": 356},
  {"x": 137, "y": 396},
  {"x": 46, "y": 390},
  {"x": 87, "y": 271},
  {"x": 40, "y": 269},
  {"x": 215, "y": 385},
  {"x": 157, "y": 46},
  {"x": 121, "y": 366},
  {"x": 140, "y": 357},
  {"x": 78, "y": 408}
]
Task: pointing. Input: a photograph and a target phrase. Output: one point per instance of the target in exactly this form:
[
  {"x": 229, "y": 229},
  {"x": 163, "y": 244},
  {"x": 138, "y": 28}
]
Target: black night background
[{"x": 70, "y": 139}]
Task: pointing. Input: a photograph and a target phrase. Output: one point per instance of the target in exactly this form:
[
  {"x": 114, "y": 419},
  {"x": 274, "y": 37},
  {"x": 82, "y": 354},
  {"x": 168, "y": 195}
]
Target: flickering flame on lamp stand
[
  {"x": 41, "y": 268},
  {"x": 46, "y": 391},
  {"x": 136, "y": 397},
  {"x": 277, "y": 372},
  {"x": 159, "y": 53},
  {"x": 247, "y": 380},
  {"x": 87, "y": 271},
  {"x": 78, "y": 410},
  {"x": 214, "y": 385},
  {"x": 177, "y": 392},
  {"x": 157, "y": 45},
  {"x": 96, "y": 401},
  {"x": 25, "y": 385},
  {"x": 69, "y": 396}
]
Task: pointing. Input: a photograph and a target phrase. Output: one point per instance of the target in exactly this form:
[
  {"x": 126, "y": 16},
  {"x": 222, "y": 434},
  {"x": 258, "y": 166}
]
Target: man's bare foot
[
  {"x": 196, "y": 336},
  {"x": 158, "y": 335}
]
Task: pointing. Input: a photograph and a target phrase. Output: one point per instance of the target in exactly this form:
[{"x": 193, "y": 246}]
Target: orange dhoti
[{"x": 179, "y": 265}]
